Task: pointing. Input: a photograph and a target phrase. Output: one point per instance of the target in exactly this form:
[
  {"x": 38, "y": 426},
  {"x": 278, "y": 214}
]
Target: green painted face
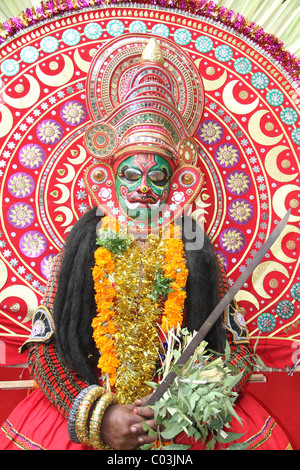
[{"x": 142, "y": 184}]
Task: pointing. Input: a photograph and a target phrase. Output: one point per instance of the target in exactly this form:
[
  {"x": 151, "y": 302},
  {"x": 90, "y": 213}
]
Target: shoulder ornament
[
  {"x": 235, "y": 323},
  {"x": 42, "y": 327}
]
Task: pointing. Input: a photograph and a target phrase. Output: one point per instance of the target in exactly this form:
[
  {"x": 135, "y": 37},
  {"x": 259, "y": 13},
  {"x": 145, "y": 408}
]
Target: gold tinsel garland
[
  {"x": 126, "y": 329},
  {"x": 136, "y": 322}
]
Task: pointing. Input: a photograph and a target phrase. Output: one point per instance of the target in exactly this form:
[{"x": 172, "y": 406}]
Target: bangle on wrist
[
  {"x": 73, "y": 413},
  {"x": 78, "y": 418},
  {"x": 95, "y": 422},
  {"x": 81, "y": 423}
]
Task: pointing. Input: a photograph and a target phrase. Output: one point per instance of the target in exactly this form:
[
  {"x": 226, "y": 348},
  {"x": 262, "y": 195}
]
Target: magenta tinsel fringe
[{"x": 204, "y": 8}]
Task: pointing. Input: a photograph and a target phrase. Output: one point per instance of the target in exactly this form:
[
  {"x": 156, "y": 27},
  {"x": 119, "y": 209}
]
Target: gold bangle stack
[
  {"x": 88, "y": 432},
  {"x": 81, "y": 423},
  {"x": 95, "y": 422}
]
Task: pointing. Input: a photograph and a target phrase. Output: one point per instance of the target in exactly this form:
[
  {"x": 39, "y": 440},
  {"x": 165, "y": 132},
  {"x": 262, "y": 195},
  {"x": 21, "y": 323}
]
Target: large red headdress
[{"x": 144, "y": 95}]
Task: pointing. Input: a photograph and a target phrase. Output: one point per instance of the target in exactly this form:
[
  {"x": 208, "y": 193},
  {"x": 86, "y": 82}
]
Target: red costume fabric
[
  {"x": 248, "y": 140},
  {"x": 40, "y": 422},
  {"x": 36, "y": 424}
]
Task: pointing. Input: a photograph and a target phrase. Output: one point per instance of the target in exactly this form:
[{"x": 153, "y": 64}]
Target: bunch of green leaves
[
  {"x": 161, "y": 286},
  {"x": 200, "y": 402},
  {"x": 112, "y": 241}
]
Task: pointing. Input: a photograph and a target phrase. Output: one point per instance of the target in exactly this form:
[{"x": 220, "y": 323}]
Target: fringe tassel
[{"x": 202, "y": 8}]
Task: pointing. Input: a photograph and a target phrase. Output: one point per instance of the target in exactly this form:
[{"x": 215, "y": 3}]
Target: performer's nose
[{"x": 144, "y": 188}]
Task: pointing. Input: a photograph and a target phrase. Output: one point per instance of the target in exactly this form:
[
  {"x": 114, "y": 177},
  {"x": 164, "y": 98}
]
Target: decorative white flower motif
[
  {"x": 10, "y": 67},
  {"x": 232, "y": 241},
  {"x": 182, "y": 36},
  {"x": 73, "y": 113},
  {"x": 211, "y": 132},
  {"x": 33, "y": 244},
  {"x": 275, "y": 97},
  {"x": 115, "y": 28},
  {"x": 161, "y": 29},
  {"x": 21, "y": 215},
  {"x": 260, "y": 80},
  {"x": 105, "y": 194},
  {"x": 20, "y": 185},
  {"x": 49, "y": 131},
  {"x": 178, "y": 197},
  {"x": 227, "y": 155},
  {"x": 32, "y": 156}
]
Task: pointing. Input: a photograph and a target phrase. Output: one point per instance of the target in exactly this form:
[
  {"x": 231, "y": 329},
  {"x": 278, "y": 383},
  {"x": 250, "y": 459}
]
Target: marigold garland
[
  {"x": 175, "y": 268},
  {"x": 103, "y": 324},
  {"x": 126, "y": 325}
]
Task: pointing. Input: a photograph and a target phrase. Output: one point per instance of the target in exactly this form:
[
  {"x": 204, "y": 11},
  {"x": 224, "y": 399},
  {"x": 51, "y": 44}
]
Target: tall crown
[{"x": 144, "y": 94}]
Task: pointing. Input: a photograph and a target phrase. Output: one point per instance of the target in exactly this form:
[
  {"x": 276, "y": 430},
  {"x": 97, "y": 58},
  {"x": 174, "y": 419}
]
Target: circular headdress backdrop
[{"x": 248, "y": 138}]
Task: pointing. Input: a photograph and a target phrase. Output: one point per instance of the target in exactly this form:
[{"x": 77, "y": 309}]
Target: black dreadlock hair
[
  {"x": 202, "y": 287},
  {"x": 74, "y": 304}
]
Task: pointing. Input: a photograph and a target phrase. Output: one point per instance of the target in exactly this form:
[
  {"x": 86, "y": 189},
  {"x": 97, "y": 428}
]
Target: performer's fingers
[
  {"x": 142, "y": 401},
  {"x": 139, "y": 429},
  {"x": 144, "y": 411},
  {"x": 146, "y": 439}
]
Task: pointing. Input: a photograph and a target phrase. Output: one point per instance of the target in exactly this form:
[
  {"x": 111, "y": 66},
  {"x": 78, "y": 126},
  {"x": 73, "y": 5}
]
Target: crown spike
[{"x": 152, "y": 52}]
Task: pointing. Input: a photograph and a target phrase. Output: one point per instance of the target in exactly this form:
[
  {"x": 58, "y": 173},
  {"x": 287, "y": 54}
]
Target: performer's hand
[
  {"x": 121, "y": 427},
  {"x": 148, "y": 414}
]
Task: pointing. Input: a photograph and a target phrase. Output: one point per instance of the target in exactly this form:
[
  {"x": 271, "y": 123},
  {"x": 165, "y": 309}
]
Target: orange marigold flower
[
  {"x": 177, "y": 296},
  {"x": 110, "y": 222},
  {"x": 104, "y": 259},
  {"x": 173, "y": 231}
]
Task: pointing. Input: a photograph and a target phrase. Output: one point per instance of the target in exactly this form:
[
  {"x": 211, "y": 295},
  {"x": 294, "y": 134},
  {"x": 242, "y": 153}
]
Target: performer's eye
[
  {"x": 130, "y": 174},
  {"x": 156, "y": 176},
  {"x": 159, "y": 177}
]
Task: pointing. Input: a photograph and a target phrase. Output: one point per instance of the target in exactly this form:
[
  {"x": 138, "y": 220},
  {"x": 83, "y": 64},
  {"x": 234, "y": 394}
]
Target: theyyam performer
[{"x": 134, "y": 268}]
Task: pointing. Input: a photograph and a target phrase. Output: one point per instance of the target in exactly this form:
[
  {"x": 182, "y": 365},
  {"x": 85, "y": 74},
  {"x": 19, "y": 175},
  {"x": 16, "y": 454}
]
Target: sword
[{"x": 219, "y": 309}]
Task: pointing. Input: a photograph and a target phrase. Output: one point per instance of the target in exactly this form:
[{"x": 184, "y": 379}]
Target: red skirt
[{"x": 35, "y": 424}]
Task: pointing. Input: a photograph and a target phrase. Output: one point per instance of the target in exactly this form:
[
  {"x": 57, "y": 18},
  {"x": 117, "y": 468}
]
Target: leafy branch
[
  {"x": 200, "y": 402},
  {"x": 161, "y": 286},
  {"x": 110, "y": 240}
]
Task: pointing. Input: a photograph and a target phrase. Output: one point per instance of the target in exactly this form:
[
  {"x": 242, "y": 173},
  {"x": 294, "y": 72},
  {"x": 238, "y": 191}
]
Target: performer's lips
[
  {"x": 145, "y": 198},
  {"x": 142, "y": 201}
]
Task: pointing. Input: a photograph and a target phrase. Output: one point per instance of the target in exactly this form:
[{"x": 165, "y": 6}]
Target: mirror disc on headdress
[{"x": 100, "y": 140}]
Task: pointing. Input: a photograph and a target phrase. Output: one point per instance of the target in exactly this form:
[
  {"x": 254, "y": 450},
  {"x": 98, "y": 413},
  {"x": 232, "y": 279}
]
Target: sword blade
[{"x": 219, "y": 309}]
